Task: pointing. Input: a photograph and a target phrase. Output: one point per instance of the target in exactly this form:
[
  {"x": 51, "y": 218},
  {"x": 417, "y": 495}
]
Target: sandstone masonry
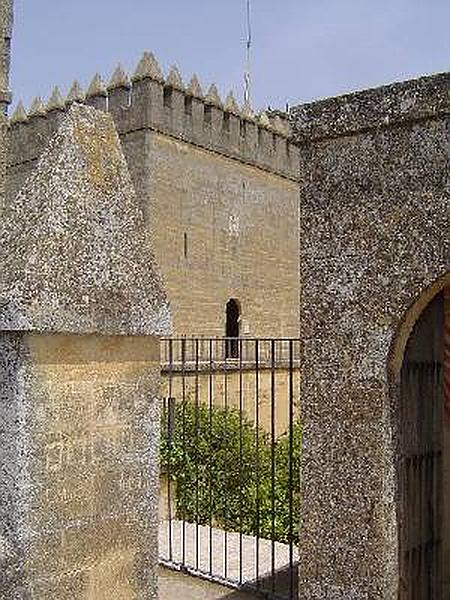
[{"x": 216, "y": 183}]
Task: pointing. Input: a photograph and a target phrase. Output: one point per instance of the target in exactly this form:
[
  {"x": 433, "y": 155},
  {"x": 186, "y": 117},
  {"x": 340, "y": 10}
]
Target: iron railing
[
  {"x": 230, "y": 456},
  {"x": 234, "y": 353}
]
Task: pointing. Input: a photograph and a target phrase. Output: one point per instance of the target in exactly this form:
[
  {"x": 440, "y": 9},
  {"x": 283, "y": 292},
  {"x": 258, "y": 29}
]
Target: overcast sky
[{"x": 302, "y": 49}]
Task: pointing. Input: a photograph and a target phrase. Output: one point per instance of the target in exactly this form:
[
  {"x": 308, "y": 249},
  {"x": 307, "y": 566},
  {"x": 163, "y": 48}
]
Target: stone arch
[
  {"x": 356, "y": 318},
  {"x": 406, "y": 325},
  {"x": 429, "y": 573}
]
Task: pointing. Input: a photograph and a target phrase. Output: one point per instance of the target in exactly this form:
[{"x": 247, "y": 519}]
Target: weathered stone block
[{"x": 79, "y": 440}]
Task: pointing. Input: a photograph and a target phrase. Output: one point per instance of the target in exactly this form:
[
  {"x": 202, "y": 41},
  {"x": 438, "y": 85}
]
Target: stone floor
[
  {"x": 178, "y": 586},
  {"x": 233, "y": 557}
]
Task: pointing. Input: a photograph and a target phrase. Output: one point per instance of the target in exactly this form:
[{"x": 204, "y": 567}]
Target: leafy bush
[{"x": 222, "y": 467}]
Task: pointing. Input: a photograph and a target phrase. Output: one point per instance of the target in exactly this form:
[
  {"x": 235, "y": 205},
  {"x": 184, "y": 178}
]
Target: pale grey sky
[{"x": 302, "y": 49}]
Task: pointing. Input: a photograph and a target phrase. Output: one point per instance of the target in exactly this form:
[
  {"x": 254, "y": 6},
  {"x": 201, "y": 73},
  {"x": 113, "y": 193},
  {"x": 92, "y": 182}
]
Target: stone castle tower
[{"x": 6, "y": 20}]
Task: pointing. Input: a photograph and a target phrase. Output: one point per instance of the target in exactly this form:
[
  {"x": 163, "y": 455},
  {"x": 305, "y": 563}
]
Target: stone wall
[
  {"x": 78, "y": 446},
  {"x": 3, "y": 159},
  {"x": 226, "y": 392},
  {"x": 374, "y": 215},
  {"x": 218, "y": 189},
  {"x": 225, "y": 230}
]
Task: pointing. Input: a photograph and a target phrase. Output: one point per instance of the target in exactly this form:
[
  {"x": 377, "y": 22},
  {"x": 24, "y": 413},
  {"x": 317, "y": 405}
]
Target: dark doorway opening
[
  {"x": 422, "y": 460},
  {"x": 232, "y": 329}
]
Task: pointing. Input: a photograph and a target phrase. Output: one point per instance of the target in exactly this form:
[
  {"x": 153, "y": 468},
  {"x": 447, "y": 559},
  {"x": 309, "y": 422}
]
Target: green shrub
[{"x": 222, "y": 467}]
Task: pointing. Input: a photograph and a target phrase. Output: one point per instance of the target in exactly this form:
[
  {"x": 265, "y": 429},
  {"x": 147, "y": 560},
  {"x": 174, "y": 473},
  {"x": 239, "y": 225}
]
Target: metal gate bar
[
  {"x": 420, "y": 465},
  {"x": 230, "y": 456}
]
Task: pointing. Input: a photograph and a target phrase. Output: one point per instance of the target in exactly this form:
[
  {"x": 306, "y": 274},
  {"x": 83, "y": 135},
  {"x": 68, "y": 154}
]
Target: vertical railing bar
[
  {"x": 164, "y": 431},
  {"x": 169, "y": 452},
  {"x": 269, "y": 355},
  {"x": 225, "y": 384},
  {"x": 422, "y": 497},
  {"x": 210, "y": 453},
  {"x": 291, "y": 471},
  {"x": 419, "y": 539},
  {"x": 272, "y": 459},
  {"x": 183, "y": 443},
  {"x": 429, "y": 530},
  {"x": 241, "y": 441},
  {"x": 425, "y": 529},
  {"x": 258, "y": 583},
  {"x": 409, "y": 451},
  {"x": 439, "y": 492},
  {"x": 428, "y": 527},
  {"x": 197, "y": 415}
]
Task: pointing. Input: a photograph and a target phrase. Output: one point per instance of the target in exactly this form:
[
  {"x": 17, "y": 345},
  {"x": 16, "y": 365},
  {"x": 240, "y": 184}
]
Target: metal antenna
[{"x": 247, "y": 76}]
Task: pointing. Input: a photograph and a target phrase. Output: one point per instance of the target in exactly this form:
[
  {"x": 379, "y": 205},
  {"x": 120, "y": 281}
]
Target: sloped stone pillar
[{"x": 81, "y": 313}]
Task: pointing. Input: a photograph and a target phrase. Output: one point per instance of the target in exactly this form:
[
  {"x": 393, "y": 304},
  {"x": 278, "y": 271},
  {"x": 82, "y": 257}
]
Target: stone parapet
[
  {"x": 376, "y": 108},
  {"x": 150, "y": 101}
]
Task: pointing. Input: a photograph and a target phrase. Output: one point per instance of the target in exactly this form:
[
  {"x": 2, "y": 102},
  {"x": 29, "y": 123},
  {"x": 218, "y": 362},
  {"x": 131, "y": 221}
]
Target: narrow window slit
[
  {"x": 208, "y": 113},
  {"x": 226, "y": 122},
  {"x": 167, "y": 98},
  {"x": 188, "y": 105}
]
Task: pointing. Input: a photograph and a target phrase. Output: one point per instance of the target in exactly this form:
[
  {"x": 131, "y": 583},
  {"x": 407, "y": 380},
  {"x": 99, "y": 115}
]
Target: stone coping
[{"x": 381, "y": 107}]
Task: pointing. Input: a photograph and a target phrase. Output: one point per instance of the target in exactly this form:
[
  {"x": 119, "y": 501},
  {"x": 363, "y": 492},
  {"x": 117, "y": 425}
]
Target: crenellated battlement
[{"x": 150, "y": 100}]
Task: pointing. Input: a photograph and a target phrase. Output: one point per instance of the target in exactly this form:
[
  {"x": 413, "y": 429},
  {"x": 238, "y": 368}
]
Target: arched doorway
[
  {"x": 232, "y": 329},
  {"x": 424, "y": 461}
]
